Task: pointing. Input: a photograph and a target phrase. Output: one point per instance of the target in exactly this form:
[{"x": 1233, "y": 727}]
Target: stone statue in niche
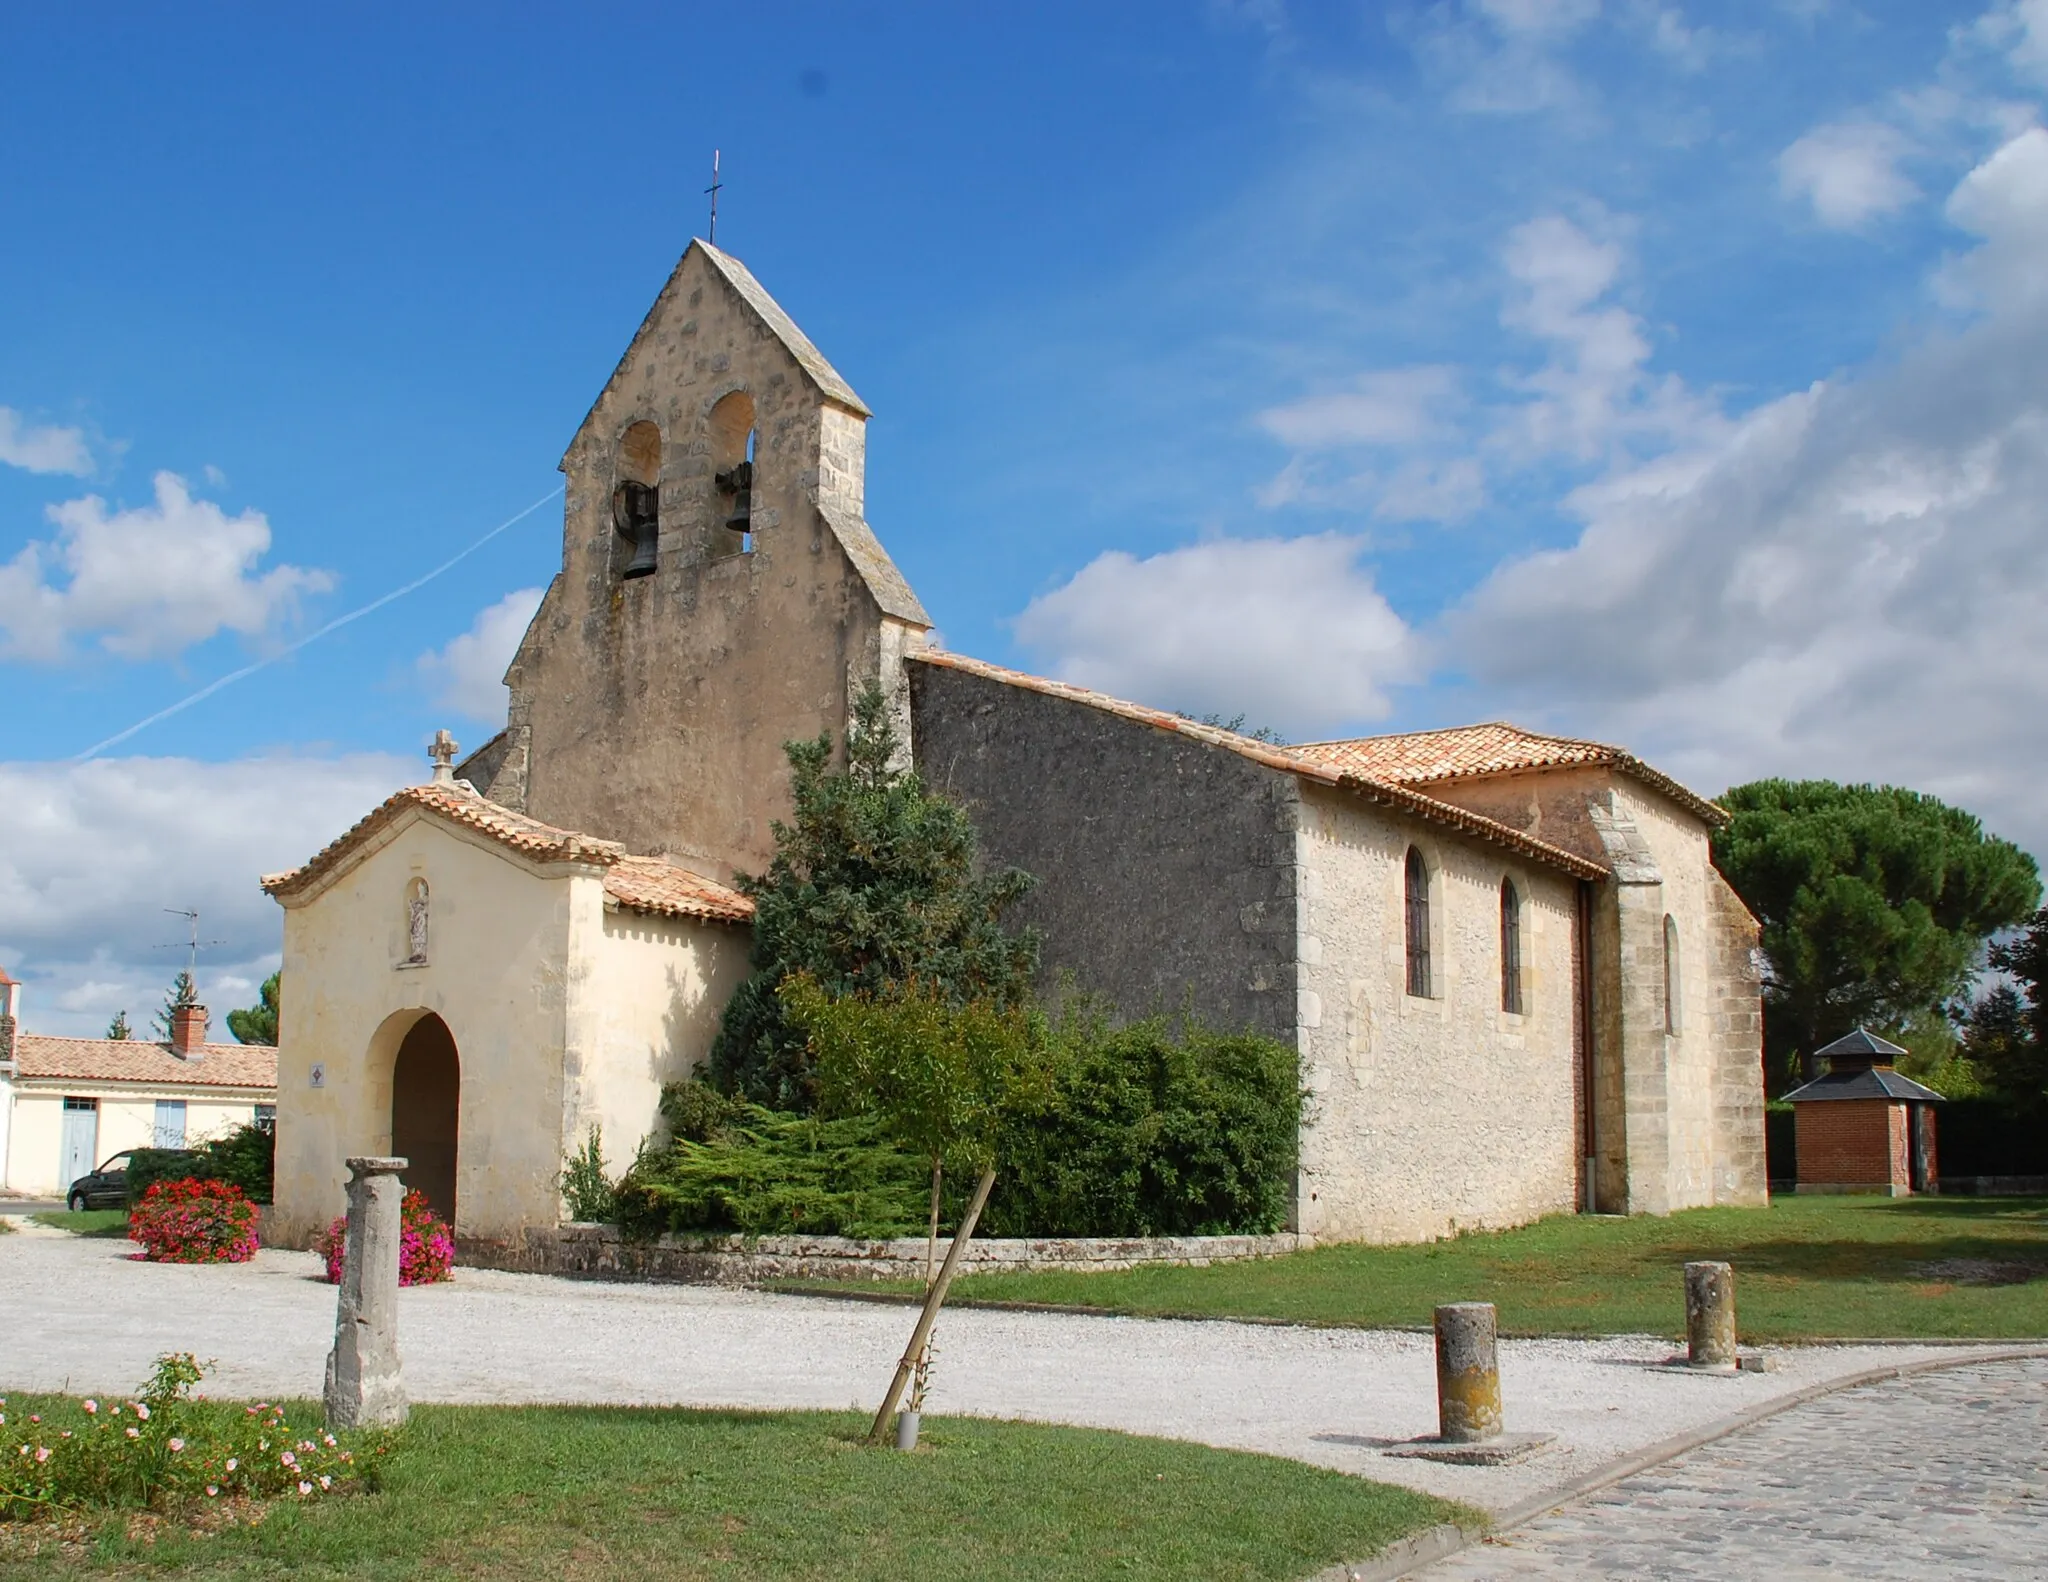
[{"x": 416, "y": 924}]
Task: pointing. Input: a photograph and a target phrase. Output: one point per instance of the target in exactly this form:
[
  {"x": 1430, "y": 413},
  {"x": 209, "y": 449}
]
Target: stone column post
[
  {"x": 364, "y": 1387},
  {"x": 1467, "y": 1373},
  {"x": 1710, "y": 1315}
]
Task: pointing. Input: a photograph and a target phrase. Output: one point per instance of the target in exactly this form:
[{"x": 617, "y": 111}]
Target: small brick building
[{"x": 1861, "y": 1127}]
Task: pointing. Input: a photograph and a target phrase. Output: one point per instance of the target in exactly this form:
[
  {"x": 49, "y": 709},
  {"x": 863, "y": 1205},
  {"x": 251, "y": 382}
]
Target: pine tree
[
  {"x": 118, "y": 1029},
  {"x": 873, "y": 883},
  {"x": 182, "y": 992},
  {"x": 258, "y": 1024}
]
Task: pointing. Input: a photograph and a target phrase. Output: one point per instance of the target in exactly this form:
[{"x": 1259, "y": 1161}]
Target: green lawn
[
  {"x": 1805, "y": 1268},
  {"x": 92, "y": 1222},
  {"x": 578, "y": 1492}
]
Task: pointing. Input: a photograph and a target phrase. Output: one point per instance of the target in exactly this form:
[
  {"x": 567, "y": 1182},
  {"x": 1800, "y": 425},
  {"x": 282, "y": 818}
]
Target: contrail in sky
[{"x": 334, "y": 625}]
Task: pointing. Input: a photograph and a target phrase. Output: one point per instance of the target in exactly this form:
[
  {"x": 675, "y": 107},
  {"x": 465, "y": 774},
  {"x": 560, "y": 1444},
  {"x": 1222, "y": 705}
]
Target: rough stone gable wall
[
  {"x": 1430, "y": 1115},
  {"x": 1165, "y": 867},
  {"x": 653, "y": 711},
  {"x": 1736, "y": 1026}
]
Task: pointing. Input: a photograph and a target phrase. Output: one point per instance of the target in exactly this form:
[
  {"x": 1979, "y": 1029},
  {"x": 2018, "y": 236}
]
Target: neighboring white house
[{"x": 69, "y": 1104}]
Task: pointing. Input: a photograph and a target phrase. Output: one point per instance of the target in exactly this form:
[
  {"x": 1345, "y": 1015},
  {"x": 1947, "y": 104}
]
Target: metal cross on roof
[
  {"x": 712, "y": 235},
  {"x": 443, "y": 753}
]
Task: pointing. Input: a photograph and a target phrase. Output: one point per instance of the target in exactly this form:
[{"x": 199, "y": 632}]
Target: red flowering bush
[
  {"x": 426, "y": 1247},
  {"x": 194, "y": 1222}
]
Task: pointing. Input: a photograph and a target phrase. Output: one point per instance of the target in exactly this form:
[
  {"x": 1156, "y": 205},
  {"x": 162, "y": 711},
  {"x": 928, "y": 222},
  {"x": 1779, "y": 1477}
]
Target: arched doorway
[{"x": 426, "y": 1107}]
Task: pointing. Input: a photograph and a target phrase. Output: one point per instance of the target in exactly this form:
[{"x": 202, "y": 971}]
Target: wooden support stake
[{"x": 929, "y": 1316}]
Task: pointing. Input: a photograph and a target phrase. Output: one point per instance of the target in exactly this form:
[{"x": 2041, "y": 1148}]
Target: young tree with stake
[{"x": 942, "y": 1076}]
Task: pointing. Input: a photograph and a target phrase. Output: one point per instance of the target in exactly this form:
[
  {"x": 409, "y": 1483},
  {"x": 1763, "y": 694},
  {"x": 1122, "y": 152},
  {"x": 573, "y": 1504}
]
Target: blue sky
[{"x": 1630, "y": 368}]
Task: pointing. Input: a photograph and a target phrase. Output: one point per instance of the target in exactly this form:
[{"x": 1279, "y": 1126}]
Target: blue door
[{"x": 76, "y": 1150}]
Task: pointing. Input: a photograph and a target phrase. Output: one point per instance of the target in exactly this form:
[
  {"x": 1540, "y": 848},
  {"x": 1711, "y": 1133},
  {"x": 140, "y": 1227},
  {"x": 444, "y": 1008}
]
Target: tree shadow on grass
[
  {"x": 1902, "y": 1262},
  {"x": 2022, "y": 1210}
]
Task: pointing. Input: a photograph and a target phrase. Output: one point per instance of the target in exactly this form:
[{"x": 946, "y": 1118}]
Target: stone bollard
[
  {"x": 364, "y": 1388},
  {"x": 1710, "y": 1315},
  {"x": 1467, "y": 1373}
]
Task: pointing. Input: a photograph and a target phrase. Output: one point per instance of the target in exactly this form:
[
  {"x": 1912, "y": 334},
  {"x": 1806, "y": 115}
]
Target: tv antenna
[
  {"x": 194, "y": 944},
  {"x": 712, "y": 235}
]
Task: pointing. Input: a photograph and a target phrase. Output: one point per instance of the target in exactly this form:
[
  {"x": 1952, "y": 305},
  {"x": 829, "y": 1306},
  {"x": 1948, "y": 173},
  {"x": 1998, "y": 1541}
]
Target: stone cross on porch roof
[{"x": 443, "y": 753}]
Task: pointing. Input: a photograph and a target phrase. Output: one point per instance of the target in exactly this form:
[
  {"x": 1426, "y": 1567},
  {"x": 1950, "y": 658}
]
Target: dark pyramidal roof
[{"x": 1860, "y": 1067}]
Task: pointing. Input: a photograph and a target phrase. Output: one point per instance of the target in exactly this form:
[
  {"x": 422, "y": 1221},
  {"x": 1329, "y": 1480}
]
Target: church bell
[
  {"x": 636, "y": 513},
  {"x": 739, "y": 483}
]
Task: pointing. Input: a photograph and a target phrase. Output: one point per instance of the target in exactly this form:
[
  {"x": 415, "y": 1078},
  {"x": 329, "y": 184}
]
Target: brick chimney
[{"x": 188, "y": 1032}]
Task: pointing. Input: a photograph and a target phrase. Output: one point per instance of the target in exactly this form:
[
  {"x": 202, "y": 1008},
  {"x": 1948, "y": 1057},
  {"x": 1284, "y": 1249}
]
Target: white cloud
[
  {"x": 36, "y": 448},
  {"x": 468, "y": 675},
  {"x": 149, "y": 581},
  {"x": 1851, "y": 581},
  {"x": 2004, "y": 201},
  {"x": 1849, "y": 172},
  {"x": 1290, "y": 631},
  {"x": 1393, "y": 406},
  {"x": 2020, "y": 28},
  {"x": 1524, "y": 17},
  {"x": 91, "y": 853},
  {"x": 1593, "y": 390}
]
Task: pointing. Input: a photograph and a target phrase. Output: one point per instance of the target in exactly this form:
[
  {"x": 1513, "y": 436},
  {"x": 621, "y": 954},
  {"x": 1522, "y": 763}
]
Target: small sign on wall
[{"x": 316, "y": 1074}]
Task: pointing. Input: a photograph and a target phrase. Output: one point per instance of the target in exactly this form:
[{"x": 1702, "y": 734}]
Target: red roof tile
[
  {"x": 137, "y": 1060},
  {"x": 1292, "y": 760},
  {"x": 650, "y": 884},
  {"x": 641, "y": 884},
  {"x": 1476, "y": 751}
]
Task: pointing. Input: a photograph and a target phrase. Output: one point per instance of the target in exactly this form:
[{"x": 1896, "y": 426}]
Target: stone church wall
[
  {"x": 654, "y": 709},
  {"x": 1165, "y": 867},
  {"x": 1430, "y": 1115}
]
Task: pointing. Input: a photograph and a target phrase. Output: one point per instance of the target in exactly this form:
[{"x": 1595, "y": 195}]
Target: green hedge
[
  {"x": 245, "y": 1158},
  {"x": 1159, "y": 1128}
]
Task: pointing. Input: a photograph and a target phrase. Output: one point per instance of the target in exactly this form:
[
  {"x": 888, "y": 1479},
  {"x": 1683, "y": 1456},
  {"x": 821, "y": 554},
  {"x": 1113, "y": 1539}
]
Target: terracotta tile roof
[
  {"x": 640, "y": 884},
  {"x": 1474, "y": 751},
  {"x": 649, "y": 884},
  {"x": 1292, "y": 760},
  {"x": 136, "y": 1060}
]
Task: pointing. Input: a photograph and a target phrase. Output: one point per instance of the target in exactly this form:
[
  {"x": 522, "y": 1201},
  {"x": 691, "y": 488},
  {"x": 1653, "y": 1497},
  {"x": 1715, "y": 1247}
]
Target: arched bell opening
[
  {"x": 636, "y": 498},
  {"x": 733, "y": 442},
  {"x": 426, "y": 1110}
]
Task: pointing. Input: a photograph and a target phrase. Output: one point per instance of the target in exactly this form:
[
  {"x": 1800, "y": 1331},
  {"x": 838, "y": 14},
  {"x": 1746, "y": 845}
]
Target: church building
[{"x": 1517, "y": 983}]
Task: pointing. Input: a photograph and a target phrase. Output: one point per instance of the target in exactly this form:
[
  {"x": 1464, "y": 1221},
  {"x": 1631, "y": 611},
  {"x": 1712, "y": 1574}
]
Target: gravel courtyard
[{"x": 82, "y": 1314}]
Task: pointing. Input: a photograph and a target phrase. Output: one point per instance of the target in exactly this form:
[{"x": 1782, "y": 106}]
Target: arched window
[
  {"x": 733, "y": 441},
  {"x": 1673, "y": 988},
  {"x": 1510, "y": 948},
  {"x": 1417, "y": 908},
  {"x": 636, "y": 497}
]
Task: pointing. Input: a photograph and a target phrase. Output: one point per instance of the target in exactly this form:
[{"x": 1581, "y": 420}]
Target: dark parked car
[{"x": 106, "y": 1187}]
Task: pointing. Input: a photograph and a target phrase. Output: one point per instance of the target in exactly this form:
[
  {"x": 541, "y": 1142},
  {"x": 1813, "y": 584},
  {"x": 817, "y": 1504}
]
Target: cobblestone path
[{"x": 1940, "y": 1475}]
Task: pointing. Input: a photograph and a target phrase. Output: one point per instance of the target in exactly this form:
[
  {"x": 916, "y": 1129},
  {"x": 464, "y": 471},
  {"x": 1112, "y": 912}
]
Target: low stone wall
[{"x": 599, "y": 1252}]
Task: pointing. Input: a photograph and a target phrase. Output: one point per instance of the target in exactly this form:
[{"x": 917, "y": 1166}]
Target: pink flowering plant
[
  {"x": 165, "y": 1449},
  {"x": 426, "y": 1246},
  {"x": 194, "y": 1222}
]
